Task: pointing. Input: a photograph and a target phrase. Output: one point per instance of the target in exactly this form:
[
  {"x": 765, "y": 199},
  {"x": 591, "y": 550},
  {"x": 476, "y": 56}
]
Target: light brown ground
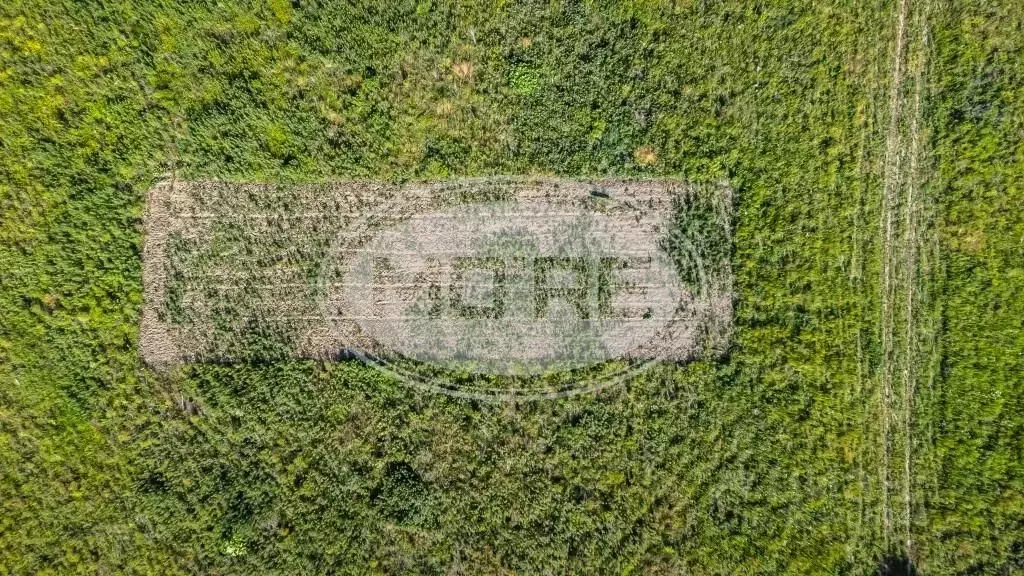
[{"x": 241, "y": 258}]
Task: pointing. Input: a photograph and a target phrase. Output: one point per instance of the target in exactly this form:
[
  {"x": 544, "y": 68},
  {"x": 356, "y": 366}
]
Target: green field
[{"x": 868, "y": 412}]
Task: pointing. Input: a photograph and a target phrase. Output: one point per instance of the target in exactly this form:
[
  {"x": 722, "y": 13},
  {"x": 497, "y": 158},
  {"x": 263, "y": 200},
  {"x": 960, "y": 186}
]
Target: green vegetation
[{"x": 784, "y": 456}]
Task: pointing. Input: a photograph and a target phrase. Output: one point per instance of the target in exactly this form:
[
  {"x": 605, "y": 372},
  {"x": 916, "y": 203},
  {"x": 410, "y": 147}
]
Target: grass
[{"x": 768, "y": 460}]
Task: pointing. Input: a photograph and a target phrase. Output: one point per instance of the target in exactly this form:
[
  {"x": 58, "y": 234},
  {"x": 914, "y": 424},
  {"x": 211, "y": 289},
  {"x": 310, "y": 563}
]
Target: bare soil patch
[{"x": 244, "y": 271}]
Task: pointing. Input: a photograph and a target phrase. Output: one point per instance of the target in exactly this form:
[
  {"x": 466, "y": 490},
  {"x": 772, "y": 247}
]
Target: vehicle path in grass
[
  {"x": 890, "y": 188},
  {"x": 902, "y": 200},
  {"x": 910, "y": 247}
]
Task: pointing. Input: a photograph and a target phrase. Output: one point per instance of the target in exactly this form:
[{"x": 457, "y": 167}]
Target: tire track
[
  {"x": 890, "y": 190},
  {"x": 913, "y": 208},
  {"x": 910, "y": 267},
  {"x": 900, "y": 266}
]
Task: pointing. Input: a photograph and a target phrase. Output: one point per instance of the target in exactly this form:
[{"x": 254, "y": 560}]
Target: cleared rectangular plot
[{"x": 512, "y": 274}]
